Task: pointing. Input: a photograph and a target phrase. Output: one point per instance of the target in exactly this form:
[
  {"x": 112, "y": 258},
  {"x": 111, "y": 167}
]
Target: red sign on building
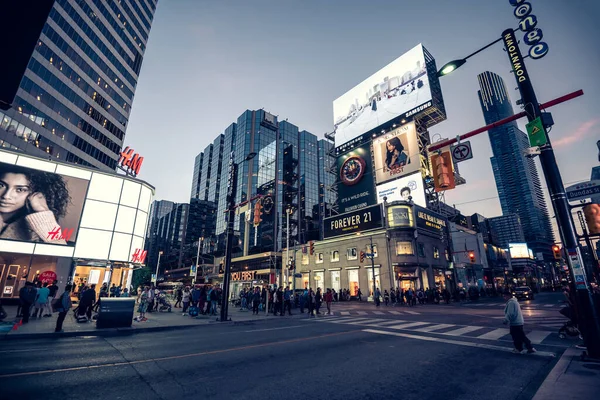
[
  {"x": 130, "y": 161},
  {"x": 47, "y": 276},
  {"x": 139, "y": 256}
]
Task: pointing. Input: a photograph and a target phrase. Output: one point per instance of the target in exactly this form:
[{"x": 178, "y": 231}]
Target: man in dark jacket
[
  {"x": 27, "y": 296},
  {"x": 88, "y": 298}
]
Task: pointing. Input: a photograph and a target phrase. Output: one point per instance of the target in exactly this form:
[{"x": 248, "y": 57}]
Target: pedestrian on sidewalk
[
  {"x": 41, "y": 300},
  {"x": 53, "y": 292},
  {"x": 311, "y": 302},
  {"x": 202, "y": 301},
  {"x": 328, "y": 300},
  {"x": 143, "y": 307},
  {"x": 377, "y": 297},
  {"x": 27, "y": 295},
  {"x": 514, "y": 318},
  {"x": 178, "y": 297},
  {"x": 185, "y": 296},
  {"x": 393, "y": 297},
  {"x": 303, "y": 298},
  {"x": 63, "y": 305},
  {"x": 287, "y": 301},
  {"x": 318, "y": 300},
  {"x": 386, "y": 297},
  {"x": 256, "y": 296},
  {"x": 359, "y": 295}
]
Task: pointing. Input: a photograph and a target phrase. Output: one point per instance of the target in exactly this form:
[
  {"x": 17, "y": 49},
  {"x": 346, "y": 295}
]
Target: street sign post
[
  {"x": 583, "y": 190},
  {"x": 536, "y": 133},
  {"x": 461, "y": 152}
]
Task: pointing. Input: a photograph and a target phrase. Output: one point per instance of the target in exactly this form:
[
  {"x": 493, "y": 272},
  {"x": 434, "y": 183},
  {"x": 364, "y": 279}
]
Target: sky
[{"x": 208, "y": 61}]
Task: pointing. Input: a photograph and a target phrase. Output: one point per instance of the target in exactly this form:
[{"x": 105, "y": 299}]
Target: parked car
[{"x": 523, "y": 292}]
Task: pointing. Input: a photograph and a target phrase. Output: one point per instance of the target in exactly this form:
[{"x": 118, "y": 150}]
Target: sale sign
[{"x": 47, "y": 276}]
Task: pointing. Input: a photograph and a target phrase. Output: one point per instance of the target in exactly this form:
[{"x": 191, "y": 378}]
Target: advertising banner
[
  {"x": 396, "y": 154},
  {"x": 352, "y": 222},
  {"x": 429, "y": 220},
  {"x": 518, "y": 250},
  {"x": 39, "y": 206},
  {"x": 356, "y": 188},
  {"x": 396, "y": 90},
  {"x": 403, "y": 188}
]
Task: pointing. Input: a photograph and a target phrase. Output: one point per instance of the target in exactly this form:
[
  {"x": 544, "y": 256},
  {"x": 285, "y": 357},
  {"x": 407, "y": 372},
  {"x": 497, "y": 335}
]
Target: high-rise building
[
  {"x": 516, "y": 176},
  {"x": 154, "y": 242},
  {"x": 504, "y": 230},
  {"x": 74, "y": 99},
  {"x": 289, "y": 172}
]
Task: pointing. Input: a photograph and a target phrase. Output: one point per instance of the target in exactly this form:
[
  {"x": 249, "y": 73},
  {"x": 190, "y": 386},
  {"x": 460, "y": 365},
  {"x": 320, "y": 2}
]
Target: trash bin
[{"x": 115, "y": 312}]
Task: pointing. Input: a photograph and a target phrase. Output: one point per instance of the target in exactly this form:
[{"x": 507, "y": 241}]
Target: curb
[
  {"x": 113, "y": 332},
  {"x": 559, "y": 369}
]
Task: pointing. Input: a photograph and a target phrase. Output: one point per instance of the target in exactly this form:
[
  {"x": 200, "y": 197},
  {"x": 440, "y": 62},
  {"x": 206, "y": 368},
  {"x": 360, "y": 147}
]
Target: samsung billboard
[{"x": 400, "y": 89}]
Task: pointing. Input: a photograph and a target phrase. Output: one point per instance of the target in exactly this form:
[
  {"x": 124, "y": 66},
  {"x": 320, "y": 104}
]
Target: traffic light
[
  {"x": 556, "y": 252},
  {"x": 258, "y": 211},
  {"x": 362, "y": 256},
  {"x": 312, "y": 248},
  {"x": 221, "y": 270},
  {"x": 443, "y": 174},
  {"x": 472, "y": 257},
  {"x": 292, "y": 265}
]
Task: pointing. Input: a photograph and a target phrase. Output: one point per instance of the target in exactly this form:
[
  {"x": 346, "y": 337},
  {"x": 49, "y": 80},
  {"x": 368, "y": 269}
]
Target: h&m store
[{"x": 68, "y": 223}]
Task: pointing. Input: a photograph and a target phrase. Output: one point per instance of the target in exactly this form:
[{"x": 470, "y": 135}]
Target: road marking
[
  {"x": 434, "y": 328},
  {"x": 391, "y": 322},
  {"x": 378, "y": 312},
  {"x": 182, "y": 356},
  {"x": 26, "y": 350},
  {"x": 462, "y": 331},
  {"x": 366, "y": 322},
  {"x": 362, "y": 313},
  {"x": 345, "y": 320},
  {"x": 495, "y": 334},
  {"x": 548, "y": 305},
  {"x": 276, "y": 329},
  {"x": 395, "y": 312},
  {"x": 457, "y": 342},
  {"x": 537, "y": 337},
  {"x": 345, "y": 313},
  {"x": 411, "y": 325},
  {"x": 412, "y": 312}
]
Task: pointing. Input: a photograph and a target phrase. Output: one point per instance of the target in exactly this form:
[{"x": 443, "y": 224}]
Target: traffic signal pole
[{"x": 586, "y": 309}]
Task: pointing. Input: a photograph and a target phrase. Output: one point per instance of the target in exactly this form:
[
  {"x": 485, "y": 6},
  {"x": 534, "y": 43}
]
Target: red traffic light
[
  {"x": 472, "y": 256},
  {"x": 556, "y": 252}
]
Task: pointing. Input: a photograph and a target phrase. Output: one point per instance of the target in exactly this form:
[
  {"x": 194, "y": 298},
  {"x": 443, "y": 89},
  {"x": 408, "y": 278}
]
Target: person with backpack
[
  {"x": 27, "y": 295},
  {"x": 62, "y": 305}
]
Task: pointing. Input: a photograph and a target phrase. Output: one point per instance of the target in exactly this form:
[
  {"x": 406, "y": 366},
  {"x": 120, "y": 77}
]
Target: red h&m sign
[
  {"x": 130, "y": 161},
  {"x": 60, "y": 234},
  {"x": 139, "y": 256}
]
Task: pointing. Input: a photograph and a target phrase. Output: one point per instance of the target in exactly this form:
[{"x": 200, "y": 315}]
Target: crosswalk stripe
[
  {"x": 412, "y": 312},
  {"x": 434, "y": 328},
  {"x": 365, "y": 322},
  {"x": 537, "y": 337},
  {"x": 395, "y": 312},
  {"x": 462, "y": 331},
  {"x": 362, "y": 313},
  {"x": 392, "y": 321},
  {"x": 411, "y": 325},
  {"x": 345, "y": 313},
  {"x": 378, "y": 312},
  {"x": 346, "y": 319},
  {"x": 495, "y": 334}
]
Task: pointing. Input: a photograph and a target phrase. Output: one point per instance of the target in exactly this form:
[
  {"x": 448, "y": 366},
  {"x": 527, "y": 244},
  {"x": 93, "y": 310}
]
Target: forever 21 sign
[{"x": 356, "y": 221}]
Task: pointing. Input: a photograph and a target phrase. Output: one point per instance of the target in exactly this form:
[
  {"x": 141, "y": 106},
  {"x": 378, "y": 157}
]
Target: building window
[
  {"x": 335, "y": 256},
  {"x": 351, "y": 253},
  {"x": 319, "y": 258},
  {"x": 436, "y": 252},
  {"x": 404, "y": 248},
  {"x": 353, "y": 282},
  {"x": 421, "y": 248},
  {"x": 304, "y": 259},
  {"x": 372, "y": 250}
]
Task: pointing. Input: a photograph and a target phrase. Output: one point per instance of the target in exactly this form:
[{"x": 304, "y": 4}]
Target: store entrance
[{"x": 90, "y": 275}]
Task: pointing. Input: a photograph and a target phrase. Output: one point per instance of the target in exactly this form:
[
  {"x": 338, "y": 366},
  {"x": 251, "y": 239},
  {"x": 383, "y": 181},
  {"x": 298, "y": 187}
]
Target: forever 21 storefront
[{"x": 69, "y": 223}]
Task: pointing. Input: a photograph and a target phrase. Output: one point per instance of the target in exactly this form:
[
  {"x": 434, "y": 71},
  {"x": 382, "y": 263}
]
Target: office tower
[
  {"x": 505, "y": 229},
  {"x": 158, "y": 210},
  {"x": 516, "y": 176},
  {"x": 74, "y": 99},
  {"x": 287, "y": 173}
]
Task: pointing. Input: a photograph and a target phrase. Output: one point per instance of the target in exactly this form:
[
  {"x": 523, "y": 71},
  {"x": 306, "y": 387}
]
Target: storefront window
[
  {"x": 335, "y": 256},
  {"x": 352, "y": 254},
  {"x": 319, "y": 280},
  {"x": 353, "y": 282},
  {"x": 14, "y": 271},
  {"x": 335, "y": 280},
  {"x": 404, "y": 248},
  {"x": 436, "y": 252},
  {"x": 370, "y": 278},
  {"x": 304, "y": 259},
  {"x": 425, "y": 279},
  {"x": 305, "y": 280},
  {"x": 319, "y": 258}
]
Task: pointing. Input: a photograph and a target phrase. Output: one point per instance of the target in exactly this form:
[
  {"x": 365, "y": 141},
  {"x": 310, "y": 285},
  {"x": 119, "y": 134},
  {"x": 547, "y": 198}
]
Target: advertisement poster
[
  {"x": 396, "y": 154},
  {"x": 403, "y": 189},
  {"x": 395, "y": 90},
  {"x": 518, "y": 250},
  {"x": 430, "y": 221},
  {"x": 39, "y": 206},
  {"x": 357, "y": 221},
  {"x": 356, "y": 188}
]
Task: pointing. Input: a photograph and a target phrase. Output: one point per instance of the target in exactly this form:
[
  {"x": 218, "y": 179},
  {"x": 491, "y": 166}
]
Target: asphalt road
[{"x": 360, "y": 355}]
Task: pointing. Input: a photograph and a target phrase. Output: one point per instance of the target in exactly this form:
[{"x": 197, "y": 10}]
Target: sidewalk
[
  {"x": 44, "y": 327},
  {"x": 571, "y": 378}
]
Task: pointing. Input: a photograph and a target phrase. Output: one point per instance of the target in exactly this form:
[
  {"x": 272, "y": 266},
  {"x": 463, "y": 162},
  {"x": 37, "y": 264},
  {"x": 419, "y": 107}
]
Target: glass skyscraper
[
  {"x": 74, "y": 100},
  {"x": 516, "y": 176}
]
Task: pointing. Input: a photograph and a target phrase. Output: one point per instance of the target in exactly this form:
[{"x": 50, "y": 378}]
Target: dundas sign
[{"x": 360, "y": 220}]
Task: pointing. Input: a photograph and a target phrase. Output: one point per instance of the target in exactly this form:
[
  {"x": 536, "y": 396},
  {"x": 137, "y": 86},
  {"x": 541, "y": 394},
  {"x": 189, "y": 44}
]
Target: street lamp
[
  {"x": 231, "y": 193},
  {"x": 160, "y": 253},
  {"x": 455, "y": 64}
]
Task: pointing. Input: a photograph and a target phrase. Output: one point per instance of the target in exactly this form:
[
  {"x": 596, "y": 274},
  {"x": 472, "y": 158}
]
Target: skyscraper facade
[
  {"x": 516, "y": 176},
  {"x": 74, "y": 99}
]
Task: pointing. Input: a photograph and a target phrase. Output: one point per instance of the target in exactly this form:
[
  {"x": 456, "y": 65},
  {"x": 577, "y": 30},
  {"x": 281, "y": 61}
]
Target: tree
[{"x": 140, "y": 277}]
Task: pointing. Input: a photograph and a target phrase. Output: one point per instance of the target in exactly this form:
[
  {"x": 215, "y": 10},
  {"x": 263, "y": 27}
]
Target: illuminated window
[
  {"x": 404, "y": 248},
  {"x": 351, "y": 253}
]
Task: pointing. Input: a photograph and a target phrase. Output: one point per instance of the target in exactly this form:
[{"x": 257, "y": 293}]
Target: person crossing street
[{"x": 514, "y": 318}]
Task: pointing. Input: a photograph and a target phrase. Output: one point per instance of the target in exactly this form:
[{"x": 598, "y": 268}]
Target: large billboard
[
  {"x": 40, "y": 206},
  {"x": 396, "y": 153},
  {"x": 518, "y": 250},
  {"x": 356, "y": 187},
  {"x": 405, "y": 188},
  {"x": 430, "y": 221},
  {"x": 356, "y": 221},
  {"x": 396, "y": 90}
]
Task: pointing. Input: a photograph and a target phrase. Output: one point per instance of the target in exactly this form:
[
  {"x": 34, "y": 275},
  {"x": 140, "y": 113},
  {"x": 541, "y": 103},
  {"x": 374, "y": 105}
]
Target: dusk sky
[{"x": 207, "y": 62}]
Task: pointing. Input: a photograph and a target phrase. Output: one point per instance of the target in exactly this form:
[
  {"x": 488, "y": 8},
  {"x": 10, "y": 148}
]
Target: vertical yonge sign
[{"x": 527, "y": 23}]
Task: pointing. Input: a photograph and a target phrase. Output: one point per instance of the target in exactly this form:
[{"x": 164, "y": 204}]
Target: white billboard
[
  {"x": 396, "y": 154},
  {"x": 402, "y": 189},
  {"x": 518, "y": 250},
  {"x": 395, "y": 90}
]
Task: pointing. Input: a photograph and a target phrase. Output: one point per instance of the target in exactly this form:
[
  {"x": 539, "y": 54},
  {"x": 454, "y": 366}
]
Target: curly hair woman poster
[{"x": 39, "y": 206}]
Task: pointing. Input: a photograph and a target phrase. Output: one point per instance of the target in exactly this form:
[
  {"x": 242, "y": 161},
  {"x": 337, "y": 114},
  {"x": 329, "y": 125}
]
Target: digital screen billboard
[
  {"x": 518, "y": 250},
  {"x": 398, "y": 89},
  {"x": 356, "y": 187},
  {"x": 396, "y": 153},
  {"x": 39, "y": 206},
  {"x": 402, "y": 189}
]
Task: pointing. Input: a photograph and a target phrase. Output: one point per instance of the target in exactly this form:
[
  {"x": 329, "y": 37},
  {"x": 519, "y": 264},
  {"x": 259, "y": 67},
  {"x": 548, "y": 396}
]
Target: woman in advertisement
[
  {"x": 31, "y": 202},
  {"x": 396, "y": 156}
]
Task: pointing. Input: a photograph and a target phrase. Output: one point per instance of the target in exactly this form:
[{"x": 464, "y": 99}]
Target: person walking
[
  {"x": 514, "y": 318},
  {"x": 143, "y": 306},
  {"x": 63, "y": 305},
  {"x": 178, "y": 297},
  {"x": 186, "y": 296},
  {"x": 377, "y": 297},
  {"x": 27, "y": 295},
  {"x": 303, "y": 298},
  {"x": 41, "y": 300},
  {"x": 53, "y": 291},
  {"x": 86, "y": 303},
  {"x": 256, "y": 297},
  {"x": 310, "y": 301},
  {"x": 328, "y": 300},
  {"x": 287, "y": 301},
  {"x": 386, "y": 298},
  {"x": 359, "y": 295},
  {"x": 318, "y": 301}
]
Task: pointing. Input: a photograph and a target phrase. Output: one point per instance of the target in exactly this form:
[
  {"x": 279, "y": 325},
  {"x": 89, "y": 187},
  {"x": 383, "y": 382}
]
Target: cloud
[{"x": 579, "y": 134}]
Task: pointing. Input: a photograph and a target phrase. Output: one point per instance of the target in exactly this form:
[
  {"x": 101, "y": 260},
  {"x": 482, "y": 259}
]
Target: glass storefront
[
  {"x": 319, "y": 278},
  {"x": 335, "y": 280},
  {"x": 16, "y": 269},
  {"x": 353, "y": 282},
  {"x": 370, "y": 279},
  {"x": 98, "y": 275},
  {"x": 305, "y": 280}
]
